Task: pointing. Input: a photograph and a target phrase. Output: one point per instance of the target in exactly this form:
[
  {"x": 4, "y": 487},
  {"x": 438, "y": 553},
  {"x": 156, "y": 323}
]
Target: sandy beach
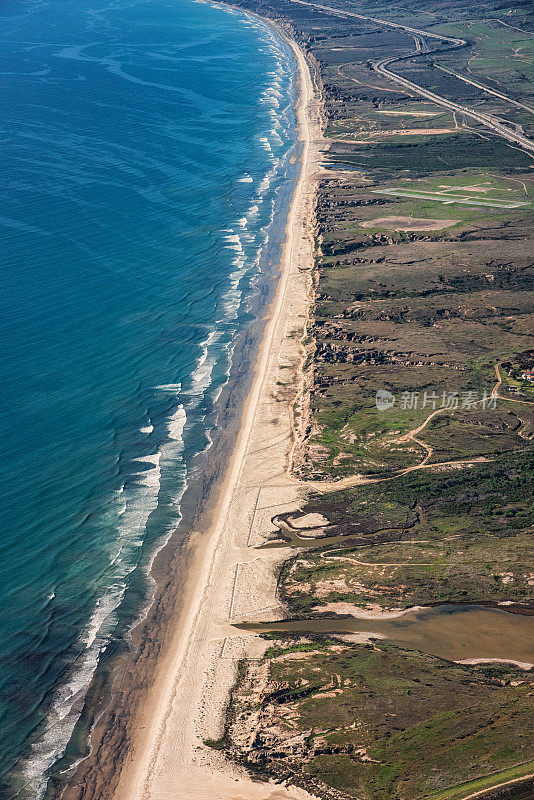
[{"x": 182, "y": 697}]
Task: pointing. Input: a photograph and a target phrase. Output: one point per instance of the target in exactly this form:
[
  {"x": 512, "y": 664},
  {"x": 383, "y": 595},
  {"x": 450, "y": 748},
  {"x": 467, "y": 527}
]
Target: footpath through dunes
[{"x": 184, "y": 694}]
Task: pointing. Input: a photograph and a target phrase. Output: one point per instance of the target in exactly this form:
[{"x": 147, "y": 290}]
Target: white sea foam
[
  {"x": 62, "y": 717},
  {"x": 150, "y": 477},
  {"x": 64, "y": 711},
  {"x": 153, "y": 458},
  {"x": 177, "y": 424},
  {"x": 170, "y": 387},
  {"x": 265, "y": 144},
  {"x": 136, "y": 500},
  {"x": 265, "y": 183}
]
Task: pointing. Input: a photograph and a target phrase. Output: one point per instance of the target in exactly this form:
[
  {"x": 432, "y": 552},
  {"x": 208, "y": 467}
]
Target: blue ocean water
[{"x": 144, "y": 146}]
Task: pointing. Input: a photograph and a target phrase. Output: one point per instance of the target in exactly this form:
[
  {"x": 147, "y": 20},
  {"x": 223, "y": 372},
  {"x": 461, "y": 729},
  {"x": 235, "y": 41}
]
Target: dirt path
[
  {"x": 328, "y": 557},
  {"x": 361, "y": 480},
  {"x": 501, "y": 397},
  {"x": 482, "y": 792}
]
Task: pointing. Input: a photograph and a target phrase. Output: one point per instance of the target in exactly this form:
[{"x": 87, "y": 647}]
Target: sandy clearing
[
  {"x": 308, "y": 521},
  {"x": 480, "y": 188},
  {"x": 362, "y": 613},
  {"x": 521, "y": 664},
  {"x": 409, "y": 223},
  {"x": 343, "y": 139},
  {"x": 360, "y": 638},
  {"x": 414, "y": 132},
  {"x": 421, "y": 131},
  {"x": 410, "y": 113}
]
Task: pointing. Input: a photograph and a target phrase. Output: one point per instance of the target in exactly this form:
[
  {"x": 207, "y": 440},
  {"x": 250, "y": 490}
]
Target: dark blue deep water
[{"x": 144, "y": 147}]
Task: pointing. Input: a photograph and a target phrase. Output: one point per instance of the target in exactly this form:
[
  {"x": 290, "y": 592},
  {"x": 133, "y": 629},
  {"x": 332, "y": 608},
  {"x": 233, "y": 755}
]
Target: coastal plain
[
  {"x": 403, "y": 668},
  {"x": 360, "y": 620}
]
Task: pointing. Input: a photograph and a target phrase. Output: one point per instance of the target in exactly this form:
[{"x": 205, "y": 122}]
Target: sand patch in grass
[
  {"x": 409, "y": 113},
  {"x": 408, "y": 223}
]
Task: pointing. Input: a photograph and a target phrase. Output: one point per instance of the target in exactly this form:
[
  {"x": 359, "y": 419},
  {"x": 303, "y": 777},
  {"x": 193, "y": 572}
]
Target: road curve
[
  {"x": 485, "y": 119},
  {"x": 381, "y": 66}
]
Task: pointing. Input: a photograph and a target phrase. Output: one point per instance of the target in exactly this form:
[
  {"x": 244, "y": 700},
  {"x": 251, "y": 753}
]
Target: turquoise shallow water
[{"x": 144, "y": 147}]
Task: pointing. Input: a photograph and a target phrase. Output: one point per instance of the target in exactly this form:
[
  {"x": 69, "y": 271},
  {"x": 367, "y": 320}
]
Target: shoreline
[{"x": 217, "y": 575}]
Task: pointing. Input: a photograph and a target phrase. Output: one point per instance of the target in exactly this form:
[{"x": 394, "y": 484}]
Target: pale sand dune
[
  {"x": 521, "y": 664},
  {"x": 408, "y": 223},
  {"x": 409, "y": 113},
  {"x": 308, "y": 521},
  {"x": 362, "y": 613},
  {"x": 190, "y": 685}
]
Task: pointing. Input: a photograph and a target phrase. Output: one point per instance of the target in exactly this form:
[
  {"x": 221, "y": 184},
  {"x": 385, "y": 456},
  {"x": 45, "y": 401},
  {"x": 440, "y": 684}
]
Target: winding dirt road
[{"x": 361, "y": 480}]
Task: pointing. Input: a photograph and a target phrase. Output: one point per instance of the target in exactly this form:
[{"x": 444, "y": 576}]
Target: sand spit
[
  {"x": 521, "y": 664},
  {"x": 182, "y": 692},
  {"x": 367, "y": 613}
]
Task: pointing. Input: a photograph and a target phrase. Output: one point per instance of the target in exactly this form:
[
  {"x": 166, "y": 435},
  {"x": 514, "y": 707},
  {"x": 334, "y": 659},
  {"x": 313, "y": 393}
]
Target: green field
[
  {"x": 500, "y": 52},
  {"x": 487, "y": 782}
]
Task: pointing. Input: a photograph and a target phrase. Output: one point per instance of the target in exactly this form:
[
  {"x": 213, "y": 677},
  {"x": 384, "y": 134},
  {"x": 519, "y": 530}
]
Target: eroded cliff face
[{"x": 329, "y": 716}]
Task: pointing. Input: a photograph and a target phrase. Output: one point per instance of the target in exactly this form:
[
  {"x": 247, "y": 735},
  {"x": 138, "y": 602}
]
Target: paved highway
[
  {"x": 382, "y": 67},
  {"x": 485, "y": 119}
]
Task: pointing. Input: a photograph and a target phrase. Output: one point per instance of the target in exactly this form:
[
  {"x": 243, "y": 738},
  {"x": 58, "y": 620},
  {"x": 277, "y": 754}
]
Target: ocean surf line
[{"x": 148, "y": 154}]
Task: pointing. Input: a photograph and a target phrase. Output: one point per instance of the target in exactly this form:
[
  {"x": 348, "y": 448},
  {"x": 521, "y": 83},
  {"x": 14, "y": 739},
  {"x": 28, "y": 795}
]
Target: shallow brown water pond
[{"x": 453, "y": 632}]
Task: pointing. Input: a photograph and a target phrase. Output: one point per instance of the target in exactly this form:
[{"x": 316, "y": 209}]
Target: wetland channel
[{"x": 452, "y": 632}]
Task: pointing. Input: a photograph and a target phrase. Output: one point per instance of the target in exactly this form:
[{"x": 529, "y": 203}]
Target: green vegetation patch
[
  {"x": 420, "y": 540},
  {"x": 377, "y": 722}
]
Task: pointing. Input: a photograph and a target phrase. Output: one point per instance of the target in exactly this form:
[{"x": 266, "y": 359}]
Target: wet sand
[{"x": 173, "y": 694}]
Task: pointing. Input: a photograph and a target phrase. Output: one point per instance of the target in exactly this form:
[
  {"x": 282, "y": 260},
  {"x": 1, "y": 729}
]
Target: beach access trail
[{"x": 190, "y": 684}]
